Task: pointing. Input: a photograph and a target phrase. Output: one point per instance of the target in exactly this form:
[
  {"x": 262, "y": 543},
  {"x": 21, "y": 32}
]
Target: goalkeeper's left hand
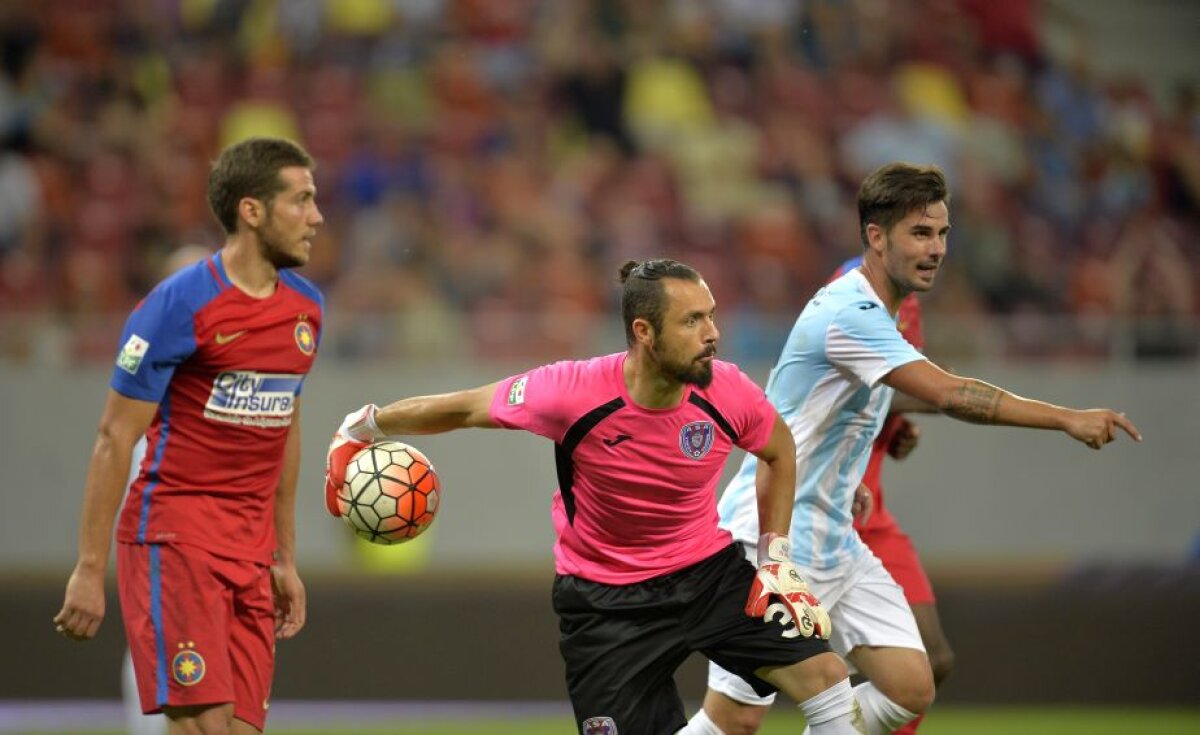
[
  {"x": 358, "y": 430},
  {"x": 777, "y": 576}
]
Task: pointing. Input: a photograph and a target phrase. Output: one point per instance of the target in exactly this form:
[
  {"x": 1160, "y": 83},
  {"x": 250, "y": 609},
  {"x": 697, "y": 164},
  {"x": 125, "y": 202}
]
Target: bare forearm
[
  {"x": 285, "y": 500},
  {"x": 983, "y": 403},
  {"x": 108, "y": 474},
  {"x": 285, "y": 529},
  {"x": 438, "y": 413},
  {"x": 904, "y": 403},
  {"x": 776, "y": 489}
]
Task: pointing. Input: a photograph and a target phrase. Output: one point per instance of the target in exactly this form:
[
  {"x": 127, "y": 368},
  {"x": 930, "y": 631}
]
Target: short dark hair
[
  {"x": 892, "y": 191},
  {"x": 250, "y": 169},
  {"x": 643, "y": 296}
]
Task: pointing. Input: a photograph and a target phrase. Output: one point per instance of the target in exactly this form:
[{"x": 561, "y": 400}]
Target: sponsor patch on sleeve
[
  {"x": 130, "y": 357},
  {"x": 516, "y": 394}
]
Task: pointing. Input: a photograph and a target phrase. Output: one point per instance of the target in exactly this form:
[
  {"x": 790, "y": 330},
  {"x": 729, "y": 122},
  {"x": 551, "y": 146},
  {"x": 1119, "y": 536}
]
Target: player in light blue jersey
[{"x": 833, "y": 386}]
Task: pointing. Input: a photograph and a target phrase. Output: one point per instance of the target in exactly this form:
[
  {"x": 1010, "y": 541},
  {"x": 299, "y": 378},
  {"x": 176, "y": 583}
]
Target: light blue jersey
[{"x": 826, "y": 387}]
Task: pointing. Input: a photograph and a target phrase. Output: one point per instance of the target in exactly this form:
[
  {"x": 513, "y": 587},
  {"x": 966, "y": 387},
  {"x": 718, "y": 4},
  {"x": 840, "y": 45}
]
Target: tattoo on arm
[{"x": 974, "y": 401}]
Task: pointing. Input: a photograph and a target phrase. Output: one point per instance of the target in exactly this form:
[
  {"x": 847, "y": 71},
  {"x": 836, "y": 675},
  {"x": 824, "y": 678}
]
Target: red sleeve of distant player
[{"x": 908, "y": 321}]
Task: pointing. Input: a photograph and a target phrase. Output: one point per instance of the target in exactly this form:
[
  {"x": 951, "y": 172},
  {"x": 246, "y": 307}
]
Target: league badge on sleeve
[
  {"x": 130, "y": 357},
  {"x": 516, "y": 394},
  {"x": 696, "y": 438}
]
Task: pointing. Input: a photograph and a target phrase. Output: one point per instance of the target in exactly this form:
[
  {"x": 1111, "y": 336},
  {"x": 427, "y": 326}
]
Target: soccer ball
[{"x": 390, "y": 494}]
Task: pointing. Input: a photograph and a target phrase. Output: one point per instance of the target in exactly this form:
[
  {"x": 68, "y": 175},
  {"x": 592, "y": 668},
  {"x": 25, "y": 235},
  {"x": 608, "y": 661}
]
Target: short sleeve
[
  {"x": 533, "y": 402},
  {"x": 760, "y": 416},
  {"x": 743, "y": 404},
  {"x": 157, "y": 337},
  {"x": 863, "y": 340},
  {"x": 320, "y": 332}
]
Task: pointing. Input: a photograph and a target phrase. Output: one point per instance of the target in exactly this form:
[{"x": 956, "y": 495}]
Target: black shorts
[{"x": 623, "y": 643}]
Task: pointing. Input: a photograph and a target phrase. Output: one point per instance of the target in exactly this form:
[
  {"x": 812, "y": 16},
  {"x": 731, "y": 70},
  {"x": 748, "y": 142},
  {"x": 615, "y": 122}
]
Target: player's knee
[
  {"x": 739, "y": 719},
  {"x": 826, "y": 670},
  {"x": 733, "y": 717},
  {"x": 914, "y": 695},
  {"x": 201, "y": 720},
  {"x": 908, "y": 683},
  {"x": 808, "y": 678}
]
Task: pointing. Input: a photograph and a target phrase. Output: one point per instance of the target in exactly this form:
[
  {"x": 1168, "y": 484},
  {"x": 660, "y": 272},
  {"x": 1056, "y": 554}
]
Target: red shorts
[
  {"x": 201, "y": 628},
  {"x": 899, "y": 557}
]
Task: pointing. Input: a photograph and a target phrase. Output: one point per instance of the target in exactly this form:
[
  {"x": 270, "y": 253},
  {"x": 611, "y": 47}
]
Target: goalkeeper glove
[
  {"x": 777, "y": 576},
  {"x": 357, "y": 431}
]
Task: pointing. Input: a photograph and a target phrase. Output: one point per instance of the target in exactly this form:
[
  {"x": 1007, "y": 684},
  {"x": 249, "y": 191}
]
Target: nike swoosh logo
[
  {"x": 617, "y": 440},
  {"x": 224, "y": 339}
]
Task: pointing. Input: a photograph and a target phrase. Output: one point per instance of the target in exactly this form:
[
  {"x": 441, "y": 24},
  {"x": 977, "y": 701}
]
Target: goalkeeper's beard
[{"x": 697, "y": 372}]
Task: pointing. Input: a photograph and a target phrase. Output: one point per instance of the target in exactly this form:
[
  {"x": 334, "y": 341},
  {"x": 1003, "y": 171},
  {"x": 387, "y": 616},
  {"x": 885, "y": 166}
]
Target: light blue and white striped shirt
[{"x": 826, "y": 387}]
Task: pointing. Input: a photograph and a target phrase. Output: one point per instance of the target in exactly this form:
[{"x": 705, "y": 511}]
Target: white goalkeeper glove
[
  {"x": 777, "y": 577},
  {"x": 358, "y": 430}
]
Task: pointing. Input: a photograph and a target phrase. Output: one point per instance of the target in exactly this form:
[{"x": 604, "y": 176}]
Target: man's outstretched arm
[{"x": 975, "y": 401}]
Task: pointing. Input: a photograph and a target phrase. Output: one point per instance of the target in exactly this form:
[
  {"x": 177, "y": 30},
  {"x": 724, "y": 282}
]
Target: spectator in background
[
  {"x": 1152, "y": 287},
  {"x": 675, "y": 127}
]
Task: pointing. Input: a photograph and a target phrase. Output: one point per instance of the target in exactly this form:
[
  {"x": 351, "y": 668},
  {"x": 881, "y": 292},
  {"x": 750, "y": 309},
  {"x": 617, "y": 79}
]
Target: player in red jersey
[
  {"x": 210, "y": 371},
  {"x": 880, "y": 530}
]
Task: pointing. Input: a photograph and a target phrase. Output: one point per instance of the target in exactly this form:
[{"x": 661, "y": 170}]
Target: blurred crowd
[{"x": 485, "y": 166}]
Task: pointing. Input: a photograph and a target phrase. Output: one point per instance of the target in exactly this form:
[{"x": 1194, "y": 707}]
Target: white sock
[
  {"x": 880, "y": 714},
  {"x": 833, "y": 712},
  {"x": 700, "y": 724}
]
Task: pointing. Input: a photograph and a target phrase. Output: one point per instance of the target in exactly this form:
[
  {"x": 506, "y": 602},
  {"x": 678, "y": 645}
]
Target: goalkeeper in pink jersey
[{"x": 644, "y": 575}]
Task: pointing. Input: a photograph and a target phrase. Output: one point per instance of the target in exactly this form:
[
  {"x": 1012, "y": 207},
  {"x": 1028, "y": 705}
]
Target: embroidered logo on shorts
[
  {"x": 188, "y": 665},
  {"x": 130, "y": 358},
  {"x": 599, "y": 726},
  {"x": 696, "y": 438},
  {"x": 516, "y": 394}
]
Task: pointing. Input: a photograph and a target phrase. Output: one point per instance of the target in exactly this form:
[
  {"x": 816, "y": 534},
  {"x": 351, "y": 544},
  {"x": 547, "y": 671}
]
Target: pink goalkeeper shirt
[{"x": 637, "y": 486}]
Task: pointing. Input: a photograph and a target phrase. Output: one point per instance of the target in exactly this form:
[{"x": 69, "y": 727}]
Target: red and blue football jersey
[{"x": 226, "y": 370}]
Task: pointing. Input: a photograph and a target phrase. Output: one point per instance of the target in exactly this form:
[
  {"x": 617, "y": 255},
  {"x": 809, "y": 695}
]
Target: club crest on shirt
[
  {"x": 599, "y": 726},
  {"x": 187, "y": 667},
  {"x": 305, "y": 340},
  {"x": 130, "y": 357},
  {"x": 696, "y": 438}
]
